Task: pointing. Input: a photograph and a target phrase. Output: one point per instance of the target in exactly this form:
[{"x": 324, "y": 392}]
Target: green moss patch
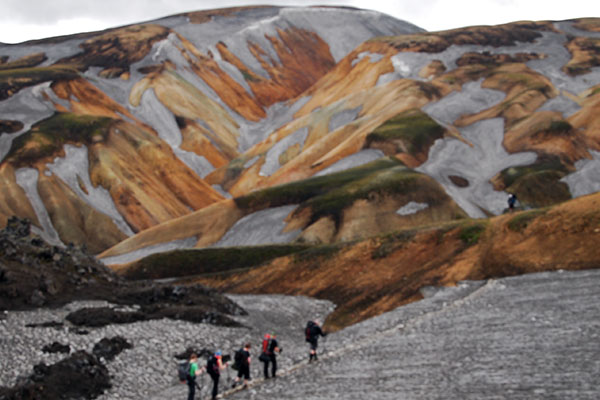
[
  {"x": 319, "y": 252},
  {"x": 396, "y": 180},
  {"x": 330, "y": 195},
  {"x": 300, "y": 191},
  {"x": 523, "y": 219},
  {"x": 209, "y": 261},
  {"x": 470, "y": 233},
  {"x": 46, "y": 138},
  {"x": 538, "y": 184},
  {"x": 411, "y": 132},
  {"x": 391, "y": 242}
]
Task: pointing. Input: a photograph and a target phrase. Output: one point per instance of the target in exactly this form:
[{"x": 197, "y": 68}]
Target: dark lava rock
[
  {"x": 102, "y": 316},
  {"x": 108, "y": 349},
  {"x": 56, "y": 347},
  {"x": 35, "y": 274},
  {"x": 48, "y": 324},
  {"x": 80, "y": 376}
]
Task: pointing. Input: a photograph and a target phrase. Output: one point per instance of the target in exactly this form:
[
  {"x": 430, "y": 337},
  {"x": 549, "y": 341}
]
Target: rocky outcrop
[
  {"x": 34, "y": 274},
  {"x": 79, "y": 376}
]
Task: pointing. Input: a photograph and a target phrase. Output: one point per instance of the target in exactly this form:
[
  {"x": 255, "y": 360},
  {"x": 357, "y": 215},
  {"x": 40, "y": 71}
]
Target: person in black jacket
[
  {"x": 270, "y": 348},
  {"x": 243, "y": 366},
  {"x": 313, "y": 331},
  {"x": 214, "y": 366}
]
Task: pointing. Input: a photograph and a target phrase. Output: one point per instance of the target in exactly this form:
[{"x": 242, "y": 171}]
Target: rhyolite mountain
[
  {"x": 271, "y": 137},
  {"x": 106, "y": 134}
]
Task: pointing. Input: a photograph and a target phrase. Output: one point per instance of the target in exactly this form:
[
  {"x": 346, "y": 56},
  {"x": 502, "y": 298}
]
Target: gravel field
[{"x": 529, "y": 337}]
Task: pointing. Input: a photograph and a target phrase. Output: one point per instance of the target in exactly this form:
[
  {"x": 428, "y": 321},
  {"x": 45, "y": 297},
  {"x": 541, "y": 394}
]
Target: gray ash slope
[{"x": 528, "y": 337}]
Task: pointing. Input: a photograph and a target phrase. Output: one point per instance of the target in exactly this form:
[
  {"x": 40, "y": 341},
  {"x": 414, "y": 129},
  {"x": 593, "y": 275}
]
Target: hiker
[
  {"x": 242, "y": 359},
  {"x": 512, "y": 199},
  {"x": 194, "y": 371},
  {"x": 270, "y": 347},
  {"x": 313, "y": 331},
  {"x": 214, "y": 366}
]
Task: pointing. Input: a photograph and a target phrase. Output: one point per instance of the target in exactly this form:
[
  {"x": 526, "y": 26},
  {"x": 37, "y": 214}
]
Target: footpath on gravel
[{"x": 529, "y": 337}]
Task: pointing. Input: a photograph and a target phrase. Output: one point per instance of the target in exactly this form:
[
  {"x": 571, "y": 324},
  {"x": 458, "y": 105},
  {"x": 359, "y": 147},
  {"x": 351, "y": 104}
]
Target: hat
[
  {"x": 267, "y": 336},
  {"x": 218, "y": 353}
]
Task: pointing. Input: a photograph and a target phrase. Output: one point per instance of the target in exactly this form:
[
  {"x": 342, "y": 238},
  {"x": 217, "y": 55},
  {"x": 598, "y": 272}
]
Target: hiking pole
[{"x": 228, "y": 377}]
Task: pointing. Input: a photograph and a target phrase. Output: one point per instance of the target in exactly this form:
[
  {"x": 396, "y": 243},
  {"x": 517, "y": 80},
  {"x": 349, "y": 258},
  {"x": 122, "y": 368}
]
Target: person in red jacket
[{"x": 270, "y": 348}]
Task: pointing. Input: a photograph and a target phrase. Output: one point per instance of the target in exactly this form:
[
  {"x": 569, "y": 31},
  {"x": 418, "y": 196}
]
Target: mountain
[
  {"x": 106, "y": 134},
  {"x": 464, "y": 116},
  {"x": 249, "y": 142}
]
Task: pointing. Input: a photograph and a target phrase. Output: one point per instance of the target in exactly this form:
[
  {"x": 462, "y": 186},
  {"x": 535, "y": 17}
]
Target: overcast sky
[{"x": 22, "y": 20}]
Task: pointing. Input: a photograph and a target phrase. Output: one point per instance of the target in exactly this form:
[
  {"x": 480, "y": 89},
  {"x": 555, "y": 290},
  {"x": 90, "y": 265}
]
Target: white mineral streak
[
  {"x": 262, "y": 227},
  {"x": 272, "y": 163},
  {"x": 470, "y": 100},
  {"x": 53, "y": 51},
  {"x": 411, "y": 207},
  {"x": 354, "y": 160},
  {"x": 278, "y": 115},
  {"x": 373, "y": 57},
  {"x": 477, "y": 163},
  {"x": 251, "y": 162},
  {"x": 408, "y": 65},
  {"x": 343, "y": 117},
  {"x": 153, "y": 112},
  {"x": 342, "y": 29},
  {"x": 27, "y": 178},
  {"x": 27, "y": 106},
  {"x": 586, "y": 179},
  {"x": 73, "y": 168}
]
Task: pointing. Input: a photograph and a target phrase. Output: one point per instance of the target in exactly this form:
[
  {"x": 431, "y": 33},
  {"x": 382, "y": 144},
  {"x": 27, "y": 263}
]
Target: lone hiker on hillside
[
  {"x": 312, "y": 332},
  {"x": 214, "y": 366},
  {"x": 270, "y": 347},
  {"x": 194, "y": 371},
  {"x": 242, "y": 359},
  {"x": 512, "y": 199}
]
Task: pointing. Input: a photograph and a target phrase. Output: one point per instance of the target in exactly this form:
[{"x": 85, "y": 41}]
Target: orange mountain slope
[{"x": 369, "y": 277}]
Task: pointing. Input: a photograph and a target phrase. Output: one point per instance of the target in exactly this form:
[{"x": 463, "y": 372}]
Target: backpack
[
  {"x": 238, "y": 359},
  {"x": 308, "y": 332},
  {"x": 183, "y": 371},
  {"x": 212, "y": 367},
  {"x": 265, "y": 345}
]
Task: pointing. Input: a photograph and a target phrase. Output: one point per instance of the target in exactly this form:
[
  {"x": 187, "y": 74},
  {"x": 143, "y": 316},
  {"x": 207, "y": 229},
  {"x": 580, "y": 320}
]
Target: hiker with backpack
[
  {"x": 270, "y": 347},
  {"x": 188, "y": 371},
  {"x": 242, "y": 362},
  {"x": 512, "y": 199},
  {"x": 214, "y": 365},
  {"x": 312, "y": 332}
]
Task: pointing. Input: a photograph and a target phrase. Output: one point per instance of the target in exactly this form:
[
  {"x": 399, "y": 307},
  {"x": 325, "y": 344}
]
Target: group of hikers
[{"x": 218, "y": 362}]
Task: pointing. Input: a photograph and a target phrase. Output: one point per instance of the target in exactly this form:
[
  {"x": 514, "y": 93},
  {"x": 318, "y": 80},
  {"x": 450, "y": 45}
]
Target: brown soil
[{"x": 379, "y": 274}]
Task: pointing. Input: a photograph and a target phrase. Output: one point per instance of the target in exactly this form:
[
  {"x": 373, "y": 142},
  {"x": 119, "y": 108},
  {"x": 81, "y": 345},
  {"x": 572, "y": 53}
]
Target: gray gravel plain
[{"x": 530, "y": 337}]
